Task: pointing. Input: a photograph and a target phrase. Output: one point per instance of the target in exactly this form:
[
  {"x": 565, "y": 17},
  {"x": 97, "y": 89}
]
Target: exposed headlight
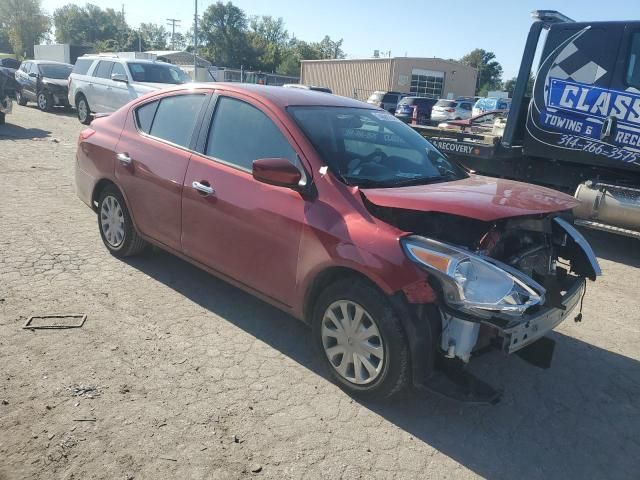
[{"x": 480, "y": 285}]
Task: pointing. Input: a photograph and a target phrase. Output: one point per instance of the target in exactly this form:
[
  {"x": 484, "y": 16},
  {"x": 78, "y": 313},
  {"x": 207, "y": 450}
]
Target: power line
[{"x": 173, "y": 22}]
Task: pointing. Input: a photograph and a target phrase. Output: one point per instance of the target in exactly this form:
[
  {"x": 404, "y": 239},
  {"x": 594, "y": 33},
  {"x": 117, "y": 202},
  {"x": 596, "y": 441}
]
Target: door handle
[
  {"x": 124, "y": 158},
  {"x": 203, "y": 187}
]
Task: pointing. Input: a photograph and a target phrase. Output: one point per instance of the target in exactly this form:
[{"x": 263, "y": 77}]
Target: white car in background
[
  {"x": 102, "y": 84},
  {"x": 445, "y": 110}
]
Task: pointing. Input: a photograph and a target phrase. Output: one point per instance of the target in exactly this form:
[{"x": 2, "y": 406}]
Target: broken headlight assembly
[{"x": 477, "y": 285}]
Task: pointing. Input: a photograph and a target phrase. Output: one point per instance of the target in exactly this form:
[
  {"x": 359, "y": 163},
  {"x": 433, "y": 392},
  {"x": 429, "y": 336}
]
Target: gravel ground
[{"x": 192, "y": 378}]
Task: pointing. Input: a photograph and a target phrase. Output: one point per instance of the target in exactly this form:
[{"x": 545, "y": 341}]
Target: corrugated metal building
[{"x": 358, "y": 78}]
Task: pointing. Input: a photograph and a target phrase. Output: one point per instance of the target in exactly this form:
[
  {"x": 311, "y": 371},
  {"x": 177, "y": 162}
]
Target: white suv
[{"x": 102, "y": 84}]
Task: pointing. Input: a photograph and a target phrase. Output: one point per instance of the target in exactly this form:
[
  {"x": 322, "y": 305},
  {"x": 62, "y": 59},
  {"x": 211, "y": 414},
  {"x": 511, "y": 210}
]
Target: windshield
[
  {"x": 154, "y": 73},
  {"x": 371, "y": 148},
  {"x": 445, "y": 103},
  {"x": 58, "y": 72}
]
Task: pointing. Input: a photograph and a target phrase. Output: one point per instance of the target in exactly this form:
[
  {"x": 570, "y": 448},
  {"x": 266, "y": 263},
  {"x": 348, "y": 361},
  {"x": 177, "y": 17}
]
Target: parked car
[
  {"x": 415, "y": 107},
  {"x": 386, "y": 100},
  {"x": 9, "y": 63},
  {"x": 102, "y": 84},
  {"x": 451, "y": 110},
  {"x": 8, "y": 87},
  {"x": 402, "y": 263},
  {"x": 477, "y": 124},
  {"x": 308, "y": 87},
  {"x": 489, "y": 104},
  {"x": 43, "y": 82}
]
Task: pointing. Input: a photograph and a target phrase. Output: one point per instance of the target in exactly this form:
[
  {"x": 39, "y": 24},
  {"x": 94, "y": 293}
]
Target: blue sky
[{"x": 446, "y": 29}]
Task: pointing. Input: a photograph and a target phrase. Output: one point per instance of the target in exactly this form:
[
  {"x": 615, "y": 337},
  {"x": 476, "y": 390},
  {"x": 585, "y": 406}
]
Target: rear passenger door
[
  {"x": 154, "y": 151},
  {"x": 118, "y": 93}
]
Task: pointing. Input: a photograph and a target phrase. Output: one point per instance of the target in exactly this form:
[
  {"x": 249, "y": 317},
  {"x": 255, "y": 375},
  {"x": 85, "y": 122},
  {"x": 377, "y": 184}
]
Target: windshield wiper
[
  {"x": 363, "y": 182},
  {"x": 407, "y": 182}
]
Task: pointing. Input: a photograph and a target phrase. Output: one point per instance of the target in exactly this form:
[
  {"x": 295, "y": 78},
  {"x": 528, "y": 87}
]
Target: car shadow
[
  {"x": 579, "y": 419},
  {"x": 16, "y": 132},
  {"x": 62, "y": 111}
]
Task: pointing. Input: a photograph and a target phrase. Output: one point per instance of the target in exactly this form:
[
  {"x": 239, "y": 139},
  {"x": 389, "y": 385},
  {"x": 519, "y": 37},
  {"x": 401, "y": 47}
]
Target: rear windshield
[
  {"x": 445, "y": 103},
  {"x": 408, "y": 101},
  {"x": 154, "y": 73},
  {"x": 58, "y": 72},
  {"x": 82, "y": 66},
  {"x": 487, "y": 103}
]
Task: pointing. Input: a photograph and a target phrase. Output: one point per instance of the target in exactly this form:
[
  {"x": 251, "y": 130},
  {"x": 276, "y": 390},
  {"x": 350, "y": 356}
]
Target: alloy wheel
[
  {"x": 112, "y": 221},
  {"x": 352, "y": 342},
  {"x": 83, "y": 110},
  {"x": 42, "y": 101}
]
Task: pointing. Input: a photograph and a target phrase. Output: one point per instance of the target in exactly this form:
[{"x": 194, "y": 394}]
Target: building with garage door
[{"x": 358, "y": 78}]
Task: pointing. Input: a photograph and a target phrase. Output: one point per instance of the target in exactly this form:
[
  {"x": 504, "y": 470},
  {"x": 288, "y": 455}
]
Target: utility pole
[
  {"x": 195, "y": 43},
  {"x": 173, "y": 22}
]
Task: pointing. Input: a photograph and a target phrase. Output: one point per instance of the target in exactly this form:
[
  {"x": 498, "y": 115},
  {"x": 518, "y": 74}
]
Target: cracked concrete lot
[{"x": 176, "y": 374}]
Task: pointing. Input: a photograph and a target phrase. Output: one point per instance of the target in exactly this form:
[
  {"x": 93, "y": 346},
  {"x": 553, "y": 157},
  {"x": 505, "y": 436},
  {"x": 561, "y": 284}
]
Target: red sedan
[{"x": 404, "y": 264}]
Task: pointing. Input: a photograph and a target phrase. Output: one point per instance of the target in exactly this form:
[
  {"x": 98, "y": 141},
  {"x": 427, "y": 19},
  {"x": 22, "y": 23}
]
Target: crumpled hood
[
  {"x": 478, "y": 197},
  {"x": 55, "y": 81}
]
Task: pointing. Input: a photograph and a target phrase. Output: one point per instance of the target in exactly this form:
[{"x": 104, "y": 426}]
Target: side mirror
[
  {"x": 33, "y": 75},
  {"x": 277, "y": 171},
  {"x": 119, "y": 77}
]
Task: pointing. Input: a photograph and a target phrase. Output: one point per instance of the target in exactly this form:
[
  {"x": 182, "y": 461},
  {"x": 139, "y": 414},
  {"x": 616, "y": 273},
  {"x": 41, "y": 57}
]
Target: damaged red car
[{"x": 405, "y": 265}]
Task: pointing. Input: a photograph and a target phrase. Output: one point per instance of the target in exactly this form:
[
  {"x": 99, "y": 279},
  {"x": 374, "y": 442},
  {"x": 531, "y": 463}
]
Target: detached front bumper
[{"x": 535, "y": 326}]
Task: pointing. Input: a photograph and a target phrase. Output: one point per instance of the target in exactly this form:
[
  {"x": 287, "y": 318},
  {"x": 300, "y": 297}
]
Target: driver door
[{"x": 244, "y": 229}]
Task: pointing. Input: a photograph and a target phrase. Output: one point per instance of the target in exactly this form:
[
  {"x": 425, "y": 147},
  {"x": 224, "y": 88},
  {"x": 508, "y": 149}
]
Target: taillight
[
  {"x": 84, "y": 134},
  {"x": 450, "y": 110}
]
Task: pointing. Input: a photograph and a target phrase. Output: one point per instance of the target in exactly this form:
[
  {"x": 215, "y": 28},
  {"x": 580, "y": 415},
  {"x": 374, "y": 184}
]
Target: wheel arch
[{"x": 326, "y": 277}]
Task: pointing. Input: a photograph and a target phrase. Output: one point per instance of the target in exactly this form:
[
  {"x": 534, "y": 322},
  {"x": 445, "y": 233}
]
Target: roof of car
[
  {"x": 49, "y": 62},
  {"x": 115, "y": 58},
  {"x": 281, "y": 96}
]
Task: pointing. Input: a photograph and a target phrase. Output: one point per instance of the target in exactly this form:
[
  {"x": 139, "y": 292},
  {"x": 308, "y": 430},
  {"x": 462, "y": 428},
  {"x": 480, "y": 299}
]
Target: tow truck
[{"x": 579, "y": 131}]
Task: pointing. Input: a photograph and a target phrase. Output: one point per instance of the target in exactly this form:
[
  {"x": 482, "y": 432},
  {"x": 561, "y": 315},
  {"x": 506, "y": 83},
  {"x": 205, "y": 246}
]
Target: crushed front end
[{"x": 503, "y": 285}]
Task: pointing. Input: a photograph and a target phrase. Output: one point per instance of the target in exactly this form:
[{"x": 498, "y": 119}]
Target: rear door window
[
  {"x": 145, "y": 114},
  {"x": 175, "y": 118},
  {"x": 103, "y": 70},
  {"x": 390, "y": 98},
  {"x": 241, "y": 133},
  {"x": 82, "y": 66}
]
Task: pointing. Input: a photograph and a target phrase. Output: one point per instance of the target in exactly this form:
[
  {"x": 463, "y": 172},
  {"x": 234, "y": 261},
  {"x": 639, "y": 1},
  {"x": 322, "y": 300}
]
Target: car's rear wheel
[
  {"x": 84, "y": 113},
  {"x": 117, "y": 231},
  {"x": 1, "y": 118},
  {"x": 20, "y": 98},
  {"x": 362, "y": 340},
  {"x": 45, "y": 101}
]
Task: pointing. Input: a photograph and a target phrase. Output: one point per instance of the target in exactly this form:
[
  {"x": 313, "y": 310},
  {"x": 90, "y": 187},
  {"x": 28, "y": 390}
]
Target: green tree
[
  {"x": 155, "y": 36},
  {"x": 224, "y": 34},
  {"x": 268, "y": 37},
  {"x": 25, "y": 24},
  {"x": 89, "y": 24},
  {"x": 328, "y": 48},
  {"x": 489, "y": 70},
  {"x": 510, "y": 85}
]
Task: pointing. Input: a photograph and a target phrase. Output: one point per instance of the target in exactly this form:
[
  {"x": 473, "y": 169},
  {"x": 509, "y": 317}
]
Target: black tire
[
  {"x": 20, "y": 98},
  {"x": 131, "y": 243},
  {"x": 394, "y": 377},
  {"x": 84, "y": 112},
  {"x": 1, "y": 118},
  {"x": 44, "y": 100}
]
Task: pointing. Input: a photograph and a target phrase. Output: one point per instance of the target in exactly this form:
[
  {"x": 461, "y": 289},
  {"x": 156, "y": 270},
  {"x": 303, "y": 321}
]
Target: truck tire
[
  {"x": 1, "y": 118},
  {"x": 361, "y": 340}
]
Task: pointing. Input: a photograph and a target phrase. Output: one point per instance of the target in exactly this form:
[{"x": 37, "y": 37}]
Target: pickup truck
[{"x": 579, "y": 131}]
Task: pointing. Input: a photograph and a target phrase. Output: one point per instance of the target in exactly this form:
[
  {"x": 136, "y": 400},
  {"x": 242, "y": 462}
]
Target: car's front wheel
[
  {"x": 118, "y": 233},
  {"x": 45, "y": 101},
  {"x": 20, "y": 98},
  {"x": 362, "y": 340},
  {"x": 84, "y": 113}
]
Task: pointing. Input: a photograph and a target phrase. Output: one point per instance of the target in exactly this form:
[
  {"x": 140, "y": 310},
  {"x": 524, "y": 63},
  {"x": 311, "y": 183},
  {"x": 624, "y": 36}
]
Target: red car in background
[{"x": 404, "y": 264}]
